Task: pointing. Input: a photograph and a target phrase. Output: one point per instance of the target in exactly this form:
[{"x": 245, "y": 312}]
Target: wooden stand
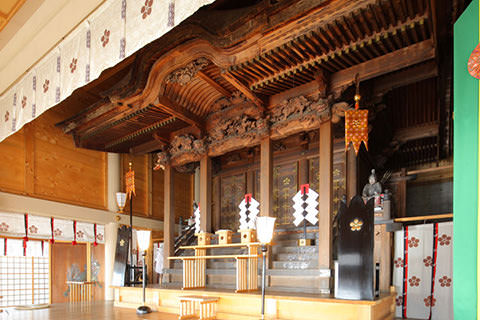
[
  {"x": 207, "y": 307},
  {"x": 204, "y": 238}
]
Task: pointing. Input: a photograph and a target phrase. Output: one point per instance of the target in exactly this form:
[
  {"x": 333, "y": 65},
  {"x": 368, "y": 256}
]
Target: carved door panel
[
  {"x": 285, "y": 186},
  {"x": 232, "y": 190}
]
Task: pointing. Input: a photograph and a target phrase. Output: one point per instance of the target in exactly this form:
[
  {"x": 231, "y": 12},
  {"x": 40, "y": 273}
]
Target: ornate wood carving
[
  {"x": 236, "y": 123},
  {"x": 162, "y": 159},
  {"x": 302, "y": 113},
  {"x": 184, "y": 75},
  {"x": 185, "y": 149}
]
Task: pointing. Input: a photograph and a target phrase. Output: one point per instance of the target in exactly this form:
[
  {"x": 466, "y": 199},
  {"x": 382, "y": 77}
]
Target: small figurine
[{"x": 372, "y": 188}]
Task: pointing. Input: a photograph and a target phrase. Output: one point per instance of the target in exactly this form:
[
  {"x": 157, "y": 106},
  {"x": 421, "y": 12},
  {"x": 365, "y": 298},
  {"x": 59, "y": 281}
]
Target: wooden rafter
[
  {"x": 147, "y": 147},
  {"x": 140, "y": 132},
  {"x": 179, "y": 112},
  {"x": 214, "y": 84},
  {"x": 387, "y": 63},
  {"x": 243, "y": 89}
]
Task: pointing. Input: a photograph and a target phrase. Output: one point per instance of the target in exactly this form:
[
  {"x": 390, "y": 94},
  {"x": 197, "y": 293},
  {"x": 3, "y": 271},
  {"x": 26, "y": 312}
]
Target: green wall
[{"x": 465, "y": 178}]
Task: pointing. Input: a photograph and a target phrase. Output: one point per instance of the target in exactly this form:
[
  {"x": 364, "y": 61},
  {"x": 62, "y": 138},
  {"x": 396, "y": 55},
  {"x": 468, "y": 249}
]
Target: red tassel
[
  {"x": 95, "y": 235},
  {"x": 52, "y": 240},
  {"x": 304, "y": 188},
  {"x": 74, "y": 242}
]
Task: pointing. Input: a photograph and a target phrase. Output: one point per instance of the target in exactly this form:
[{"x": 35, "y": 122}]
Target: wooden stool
[{"x": 207, "y": 307}]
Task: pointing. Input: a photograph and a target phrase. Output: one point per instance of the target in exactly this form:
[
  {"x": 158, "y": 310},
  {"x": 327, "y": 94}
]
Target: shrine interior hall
[{"x": 256, "y": 159}]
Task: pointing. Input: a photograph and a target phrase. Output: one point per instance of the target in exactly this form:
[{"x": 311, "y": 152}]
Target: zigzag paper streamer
[{"x": 197, "y": 220}]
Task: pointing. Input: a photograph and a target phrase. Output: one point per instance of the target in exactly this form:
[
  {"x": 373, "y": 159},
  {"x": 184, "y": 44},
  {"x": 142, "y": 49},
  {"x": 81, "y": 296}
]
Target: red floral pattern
[
  {"x": 4, "y": 227},
  {"x": 430, "y": 301},
  {"x": 414, "y": 281},
  {"x": 105, "y": 37},
  {"x": 32, "y": 229},
  {"x": 398, "y": 263},
  {"x": 100, "y": 237},
  {"x": 57, "y": 232},
  {"x": 73, "y": 65},
  {"x": 80, "y": 234},
  {"x": 146, "y": 9},
  {"x": 45, "y": 85},
  {"x": 399, "y": 301},
  {"x": 413, "y": 242},
  {"x": 445, "y": 281},
  {"x": 7, "y": 116},
  {"x": 24, "y": 102},
  {"x": 444, "y": 240},
  {"x": 428, "y": 261}
]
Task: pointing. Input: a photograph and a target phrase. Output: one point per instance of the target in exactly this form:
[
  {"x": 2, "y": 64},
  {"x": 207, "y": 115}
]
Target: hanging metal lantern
[{"x": 356, "y": 124}]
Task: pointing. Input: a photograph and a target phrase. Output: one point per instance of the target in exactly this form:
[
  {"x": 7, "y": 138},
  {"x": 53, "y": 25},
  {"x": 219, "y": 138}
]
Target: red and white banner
[{"x": 422, "y": 271}]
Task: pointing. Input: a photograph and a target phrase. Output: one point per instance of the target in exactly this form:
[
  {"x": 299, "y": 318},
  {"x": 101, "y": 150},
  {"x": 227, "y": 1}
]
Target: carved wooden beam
[
  {"x": 396, "y": 60},
  {"x": 405, "y": 77},
  {"x": 243, "y": 89},
  {"x": 179, "y": 112},
  {"x": 147, "y": 147},
  {"x": 417, "y": 132},
  {"x": 214, "y": 84}
]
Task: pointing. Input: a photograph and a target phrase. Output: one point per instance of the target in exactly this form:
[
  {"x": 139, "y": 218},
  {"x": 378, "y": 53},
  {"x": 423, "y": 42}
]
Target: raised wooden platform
[{"x": 277, "y": 305}]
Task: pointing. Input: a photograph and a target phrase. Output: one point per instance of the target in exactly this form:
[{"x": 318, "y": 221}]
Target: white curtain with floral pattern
[
  {"x": 117, "y": 29},
  {"x": 422, "y": 253}
]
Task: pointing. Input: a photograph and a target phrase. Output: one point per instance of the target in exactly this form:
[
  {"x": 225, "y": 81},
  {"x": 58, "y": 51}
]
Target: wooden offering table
[{"x": 247, "y": 265}]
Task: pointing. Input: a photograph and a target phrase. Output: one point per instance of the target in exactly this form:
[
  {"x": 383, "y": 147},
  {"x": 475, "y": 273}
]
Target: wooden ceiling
[
  {"x": 8, "y": 8},
  {"x": 267, "y": 51}
]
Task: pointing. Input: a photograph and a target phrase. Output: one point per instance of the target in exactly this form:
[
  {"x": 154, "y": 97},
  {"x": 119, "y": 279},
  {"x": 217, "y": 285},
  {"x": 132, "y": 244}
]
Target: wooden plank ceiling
[{"x": 268, "y": 51}]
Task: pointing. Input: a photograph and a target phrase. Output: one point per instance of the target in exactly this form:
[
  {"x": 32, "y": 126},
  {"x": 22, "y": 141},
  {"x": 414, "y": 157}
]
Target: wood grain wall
[
  {"x": 41, "y": 161},
  {"x": 149, "y": 187}
]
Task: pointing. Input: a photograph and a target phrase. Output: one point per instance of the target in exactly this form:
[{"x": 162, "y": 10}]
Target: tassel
[
  {"x": 52, "y": 240},
  {"x": 74, "y": 242},
  {"x": 95, "y": 234}
]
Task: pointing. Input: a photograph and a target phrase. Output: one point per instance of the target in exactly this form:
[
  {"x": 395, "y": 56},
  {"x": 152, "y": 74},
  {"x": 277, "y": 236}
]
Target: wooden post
[
  {"x": 217, "y": 202},
  {"x": 89, "y": 261},
  {"x": 206, "y": 194},
  {"x": 266, "y": 177},
  {"x": 168, "y": 217},
  {"x": 351, "y": 173},
  {"x": 251, "y": 182},
  {"x": 325, "y": 195},
  {"x": 402, "y": 194}
]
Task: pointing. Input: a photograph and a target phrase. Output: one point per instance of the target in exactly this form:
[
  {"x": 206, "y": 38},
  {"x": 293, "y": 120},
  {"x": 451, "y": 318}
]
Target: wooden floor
[{"x": 95, "y": 311}]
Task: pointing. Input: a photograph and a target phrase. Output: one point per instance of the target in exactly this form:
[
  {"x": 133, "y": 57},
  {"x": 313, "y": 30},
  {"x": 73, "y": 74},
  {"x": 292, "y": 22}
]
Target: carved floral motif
[
  {"x": 186, "y": 143},
  {"x": 298, "y": 107},
  {"x": 234, "y": 100},
  {"x": 162, "y": 160},
  {"x": 184, "y": 75}
]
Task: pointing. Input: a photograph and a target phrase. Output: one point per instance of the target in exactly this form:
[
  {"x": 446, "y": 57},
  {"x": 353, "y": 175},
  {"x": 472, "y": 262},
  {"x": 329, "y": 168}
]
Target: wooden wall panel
[
  {"x": 41, "y": 161},
  {"x": 12, "y": 168},
  {"x": 64, "y": 172},
  {"x": 157, "y": 194},
  {"x": 140, "y": 200}
]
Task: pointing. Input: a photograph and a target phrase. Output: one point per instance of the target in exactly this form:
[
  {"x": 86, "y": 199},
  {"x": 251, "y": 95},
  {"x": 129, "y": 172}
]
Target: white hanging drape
[
  {"x": 117, "y": 29},
  {"x": 423, "y": 253}
]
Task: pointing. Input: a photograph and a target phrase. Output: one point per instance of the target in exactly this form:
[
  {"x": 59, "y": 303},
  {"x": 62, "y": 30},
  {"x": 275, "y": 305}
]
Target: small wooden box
[
  {"x": 224, "y": 236},
  {"x": 204, "y": 238},
  {"x": 248, "y": 235},
  {"x": 304, "y": 242}
]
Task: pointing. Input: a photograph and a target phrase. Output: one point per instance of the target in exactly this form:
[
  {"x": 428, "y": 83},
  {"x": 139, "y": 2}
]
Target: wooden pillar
[
  {"x": 206, "y": 194},
  {"x": 303, "y": 172},
  {"x": 217, "y": 202},
  {"x": 168, "y": 217},
  {"x": 351, "y": 174},
  {"x": 89, "y": 261},
  {"x": 251, "y": 182},
  {"x": 266, "y": 177},
  {"x": 325, "y": 196}
]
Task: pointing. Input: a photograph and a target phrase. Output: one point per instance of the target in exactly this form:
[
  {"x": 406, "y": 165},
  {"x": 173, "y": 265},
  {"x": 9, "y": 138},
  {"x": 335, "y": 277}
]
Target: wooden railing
[{"x": 80, "y": 291}]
